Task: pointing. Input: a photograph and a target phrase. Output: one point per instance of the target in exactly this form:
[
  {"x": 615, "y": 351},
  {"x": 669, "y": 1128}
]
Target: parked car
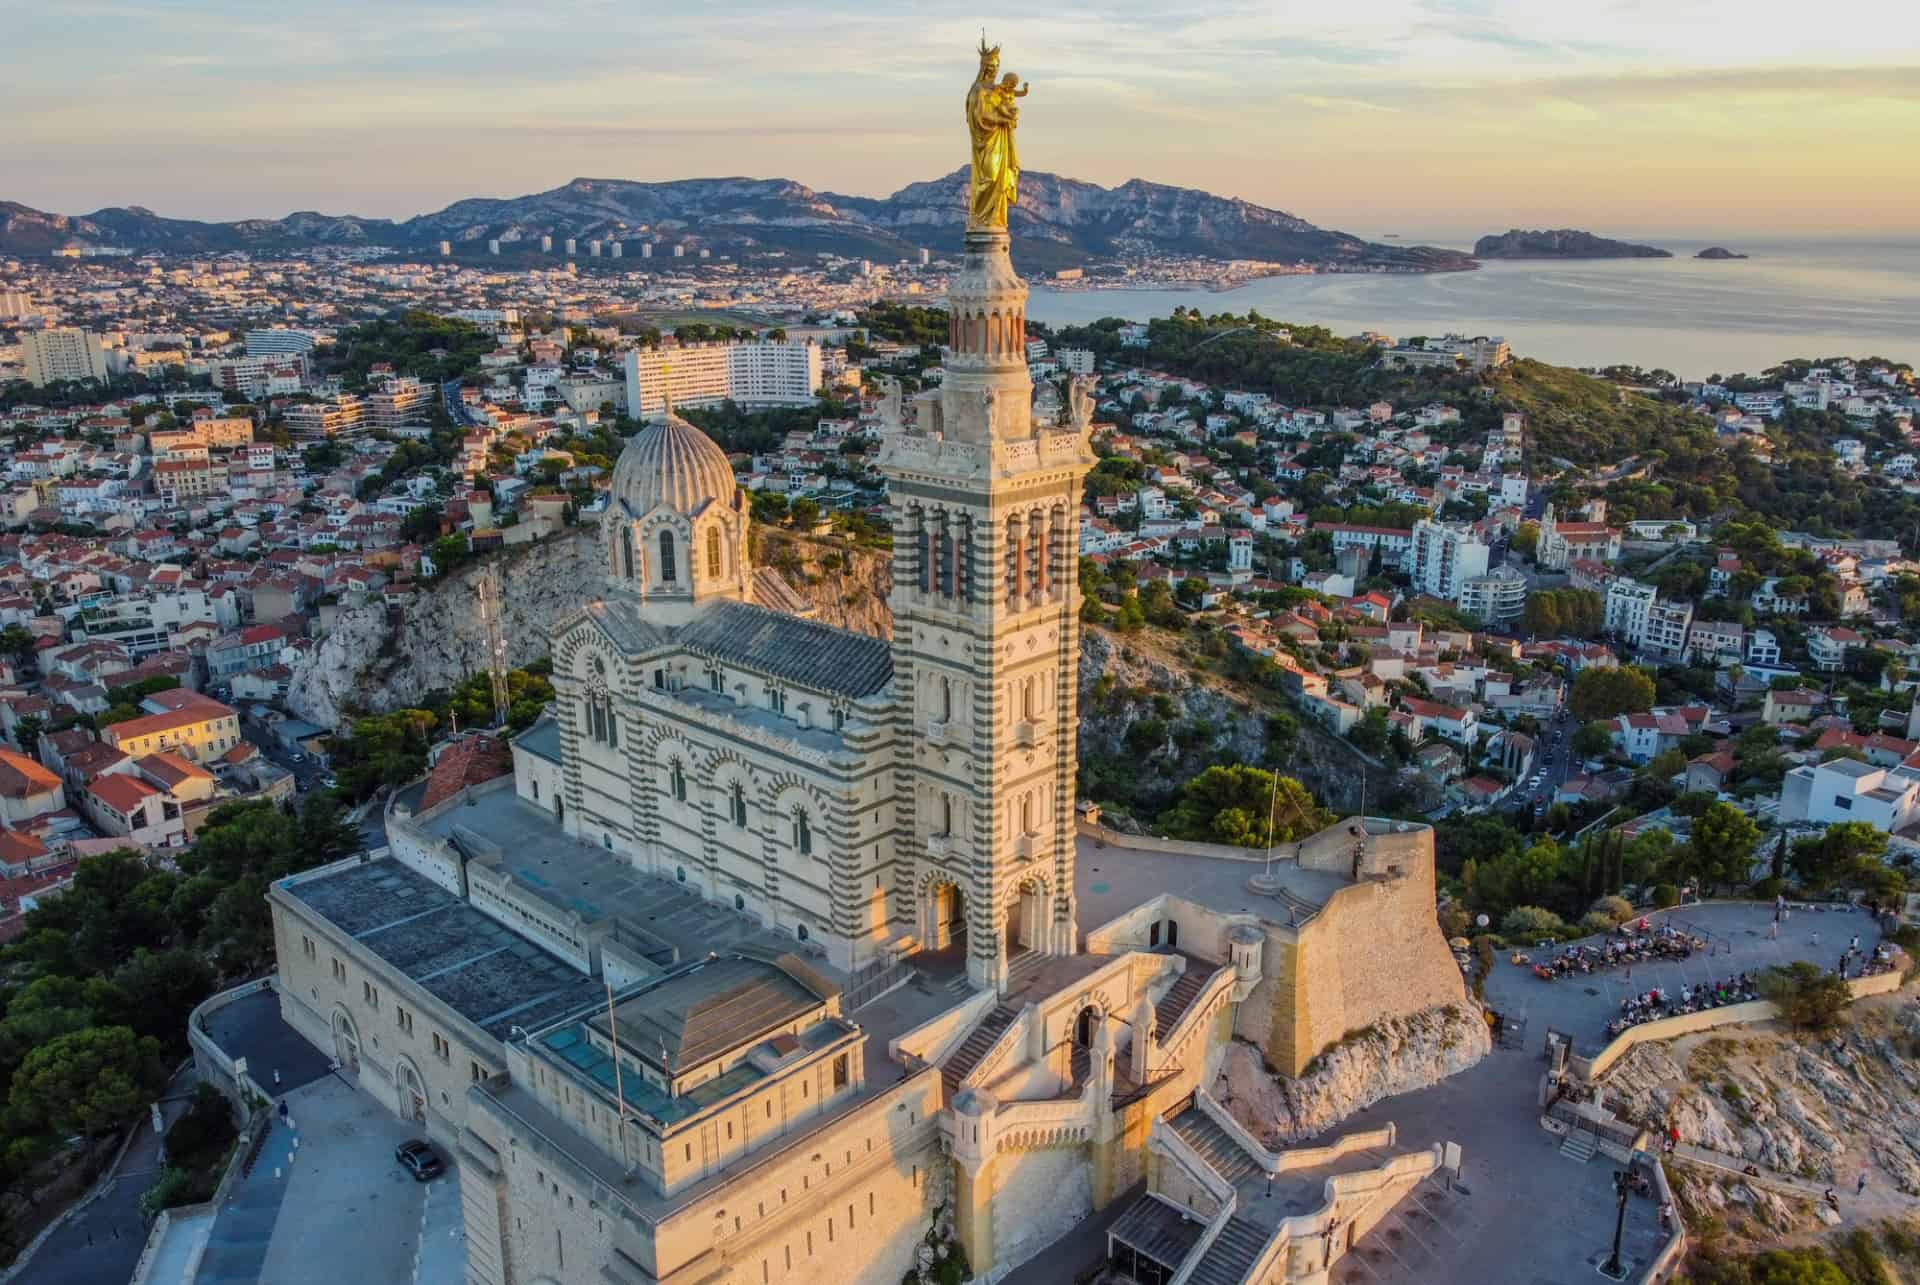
[{"x": 418, "y": 1158}]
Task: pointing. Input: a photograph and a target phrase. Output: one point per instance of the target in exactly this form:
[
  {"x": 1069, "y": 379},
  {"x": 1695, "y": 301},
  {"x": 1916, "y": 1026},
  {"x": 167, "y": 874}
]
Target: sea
[{"x": 1694, "y": 317}]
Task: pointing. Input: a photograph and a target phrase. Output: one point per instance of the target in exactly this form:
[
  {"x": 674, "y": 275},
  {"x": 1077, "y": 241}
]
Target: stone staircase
[
  {"x": 981, "y": 1039},
  {"x": 1578, "y": 1146},
  {"x": 1232, "y": 1254},
  {"x": 1180, "y": 996},
  {"x": 1022, "y": 965},
  {"x": 1216, "y": 1146}
]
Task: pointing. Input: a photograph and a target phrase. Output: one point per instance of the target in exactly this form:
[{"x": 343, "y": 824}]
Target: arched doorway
[
  {"x": 1027, "y": 914},
  {"x": 1086, "y": 1026},
  {"x": 946, "y": 916},
  {"x": 346, "y": 1042},
  {"x": 413, "y": 1094}
]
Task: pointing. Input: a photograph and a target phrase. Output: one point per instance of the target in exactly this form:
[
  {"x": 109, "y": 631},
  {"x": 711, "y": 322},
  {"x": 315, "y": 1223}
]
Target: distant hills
[
  {"x": 1058, "y": 222},
  {"x": 1561, "y": 243}
]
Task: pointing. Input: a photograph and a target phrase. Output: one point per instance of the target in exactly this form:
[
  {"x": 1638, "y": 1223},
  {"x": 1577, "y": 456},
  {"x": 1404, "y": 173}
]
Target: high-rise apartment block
[
  {"x": 1444, "y": 556},
  {"x": 753, "y": 374},
  {"x": 279, "y": 342},
  {"x": 63, "y": 354}
]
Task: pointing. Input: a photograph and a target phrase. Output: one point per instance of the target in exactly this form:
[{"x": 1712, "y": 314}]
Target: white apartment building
[
  {"x": 62, "y": 353},
  {"x": 1444, "y": 556},
  {"x": 769, "y": 373},
  {"x": 1666, "y": 629},
  {"x": 1888, "y": 799},
  {"x": 1495, "y": 598},
  {"x": 279, "y": 342},
  {"x": 15, "y": 304},
  {"x": 1075, "y": 361},
  {"x": 1628, "y": 603}
]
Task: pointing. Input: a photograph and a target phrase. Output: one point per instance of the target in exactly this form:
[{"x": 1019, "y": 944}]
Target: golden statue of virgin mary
[{"x": 991, "y": 117}]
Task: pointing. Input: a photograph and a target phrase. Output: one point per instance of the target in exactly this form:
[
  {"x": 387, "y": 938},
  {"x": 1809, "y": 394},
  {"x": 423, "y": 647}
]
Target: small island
[
  {"x": 1561, "y": 243},
  {"x": 1718, "y": 252}
]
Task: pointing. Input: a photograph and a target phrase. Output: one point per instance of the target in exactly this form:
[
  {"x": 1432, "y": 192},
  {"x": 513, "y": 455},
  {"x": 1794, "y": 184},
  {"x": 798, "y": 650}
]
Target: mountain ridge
[{"x": 1058, "y": 221}]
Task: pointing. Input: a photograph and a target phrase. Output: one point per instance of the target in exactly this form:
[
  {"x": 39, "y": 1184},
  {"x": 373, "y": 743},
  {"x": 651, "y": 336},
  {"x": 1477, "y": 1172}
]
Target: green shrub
[
  {"x": 1595, "y": 923},
  {"x": 1617, "y": 910},
  {"x": 1666, "y": 895},
  {"x": 1532, "y": 923}
]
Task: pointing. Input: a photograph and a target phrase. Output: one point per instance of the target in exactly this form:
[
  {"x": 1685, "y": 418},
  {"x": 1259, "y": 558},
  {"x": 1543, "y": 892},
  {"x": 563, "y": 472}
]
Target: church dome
[{"x": 672, "y": 463}]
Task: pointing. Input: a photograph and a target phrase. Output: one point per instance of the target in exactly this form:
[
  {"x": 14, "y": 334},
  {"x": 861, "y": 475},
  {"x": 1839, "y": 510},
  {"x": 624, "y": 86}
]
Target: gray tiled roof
[
  {"x": 802, "y": 651},
  {"x": 718, "y": 1005},
  {"x": 622, "y": 622}
]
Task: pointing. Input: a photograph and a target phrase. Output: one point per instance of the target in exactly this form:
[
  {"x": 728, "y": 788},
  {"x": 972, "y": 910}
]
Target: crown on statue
[{"x": 985, "y": 52}]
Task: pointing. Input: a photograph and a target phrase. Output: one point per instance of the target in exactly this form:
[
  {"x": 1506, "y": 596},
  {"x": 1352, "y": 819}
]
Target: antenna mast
[{"x": 496, "y": 640}]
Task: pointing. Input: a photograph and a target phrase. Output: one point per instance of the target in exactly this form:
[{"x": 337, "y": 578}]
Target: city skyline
[{"x": 1434, "y": 120}]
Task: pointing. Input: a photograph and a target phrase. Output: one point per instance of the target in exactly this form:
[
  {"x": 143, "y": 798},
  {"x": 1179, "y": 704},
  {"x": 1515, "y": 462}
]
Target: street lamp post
[{"x": 1613, "y": 1267}]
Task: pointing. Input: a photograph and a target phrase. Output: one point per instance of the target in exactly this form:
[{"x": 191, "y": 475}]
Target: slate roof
[
  {"x": 696, "y": 1016},
  {"x": 621, "y": 621},
  {"x": 802, "y": 651}
]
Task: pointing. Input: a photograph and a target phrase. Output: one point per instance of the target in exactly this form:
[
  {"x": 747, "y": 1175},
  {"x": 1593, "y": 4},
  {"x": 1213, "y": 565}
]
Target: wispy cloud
[{"x": 398, "y": 104}]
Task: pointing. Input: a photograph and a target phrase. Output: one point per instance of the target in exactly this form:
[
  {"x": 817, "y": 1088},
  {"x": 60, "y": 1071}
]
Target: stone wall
[{"x": 1040, "y": 1196}]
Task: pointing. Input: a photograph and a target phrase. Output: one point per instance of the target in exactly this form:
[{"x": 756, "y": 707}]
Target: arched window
[
  {"x": 713, "y": 553},
  {"x": 1026, "y": 700},
  {"x": 667, "y": 572},
  {"x": 801, "y": 932},
  {"x": 1026, "y": 814},
  {"x": 680, "y": 874},
  {"x": 626, "y": 550},
  {"x": 946, "y": 700},
  {"x": 946, "y": 814},
  {"x": 737, "y": 805},
  {"x": 802, "y": 832},
  {"x": 739, "y": 902},
  {"x": 677, "y": 782}
]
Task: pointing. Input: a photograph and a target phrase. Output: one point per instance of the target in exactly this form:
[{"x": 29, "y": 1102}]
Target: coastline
[{"x": 1688, "y": 315}]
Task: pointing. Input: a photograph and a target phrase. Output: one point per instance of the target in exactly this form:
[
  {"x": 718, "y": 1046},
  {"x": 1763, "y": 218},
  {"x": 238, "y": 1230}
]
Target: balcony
[
  {"x": 1026, "y": 733},
  {"x": 937, "y": 732},
  {"x": 1027, "y": 846},
  {"x": 939, "y": 845}
]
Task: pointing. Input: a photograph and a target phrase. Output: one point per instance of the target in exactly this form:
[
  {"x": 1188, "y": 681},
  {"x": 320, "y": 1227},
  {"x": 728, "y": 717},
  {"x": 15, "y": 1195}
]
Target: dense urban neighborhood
[{"x": 1602, "y": 641}]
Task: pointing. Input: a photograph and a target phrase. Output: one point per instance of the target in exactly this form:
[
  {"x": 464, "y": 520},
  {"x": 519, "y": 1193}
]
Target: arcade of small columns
[
  {"x": 1038, "y": 543},
  {"x": 988, "y": 332}
]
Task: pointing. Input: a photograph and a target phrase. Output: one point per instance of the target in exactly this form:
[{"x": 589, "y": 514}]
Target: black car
[{"x": 419, "y": 1159}]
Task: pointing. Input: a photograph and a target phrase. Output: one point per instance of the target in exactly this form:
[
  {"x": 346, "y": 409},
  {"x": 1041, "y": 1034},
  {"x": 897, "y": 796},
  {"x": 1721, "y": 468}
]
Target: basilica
[
  {"x": 862, "y": 797},
  {"x": 781, "y": 954}
]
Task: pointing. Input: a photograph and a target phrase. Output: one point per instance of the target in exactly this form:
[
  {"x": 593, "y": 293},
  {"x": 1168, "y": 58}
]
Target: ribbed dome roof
[{"x": 672, "y": 463}]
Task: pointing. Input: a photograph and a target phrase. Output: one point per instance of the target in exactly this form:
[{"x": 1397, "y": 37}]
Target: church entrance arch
[
  {"x": 944, "y": 907},
  {"x": 1027, "y": 914},
  {"x": 1086, "y": 1026},
  {"x": 346, "y": 1042}
]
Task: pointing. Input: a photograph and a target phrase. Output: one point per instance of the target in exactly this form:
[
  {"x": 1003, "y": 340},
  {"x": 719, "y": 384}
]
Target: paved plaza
[
  {"x": 325, "y": 1201},
  {"x": 1738, "y": 941},
  {"x": 278, "y": 1057}
]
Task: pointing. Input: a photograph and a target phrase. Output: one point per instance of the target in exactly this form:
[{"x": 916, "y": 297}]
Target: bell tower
[{"x": 986, "y": 608}]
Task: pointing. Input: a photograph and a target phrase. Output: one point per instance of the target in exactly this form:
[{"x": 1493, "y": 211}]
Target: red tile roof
[{"x": 469, "y": 761}]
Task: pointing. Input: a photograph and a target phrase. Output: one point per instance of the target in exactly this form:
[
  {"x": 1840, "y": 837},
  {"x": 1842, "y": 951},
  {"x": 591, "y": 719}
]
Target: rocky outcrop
[
  {"x": 1818, "y": 1109},
  {"x": 844, "y": 586},
  {"x": 1718, "y": 252},
  {"x": 374, "y": 660},
  {"x": 1234, "y": 729},
  {"x": 1395, "y": 1056}
]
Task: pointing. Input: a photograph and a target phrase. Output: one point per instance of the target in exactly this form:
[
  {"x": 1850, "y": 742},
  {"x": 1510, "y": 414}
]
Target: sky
[{"x": 1432, "y": 119}]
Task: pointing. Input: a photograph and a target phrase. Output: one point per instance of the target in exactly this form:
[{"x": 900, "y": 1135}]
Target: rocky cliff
[
  {"x": 1395, "y": 1056},
  {"x": 374, "y": 660},
  {"x": 1125, "y": 681},
  {"x": 1818, "y": 1109}
]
